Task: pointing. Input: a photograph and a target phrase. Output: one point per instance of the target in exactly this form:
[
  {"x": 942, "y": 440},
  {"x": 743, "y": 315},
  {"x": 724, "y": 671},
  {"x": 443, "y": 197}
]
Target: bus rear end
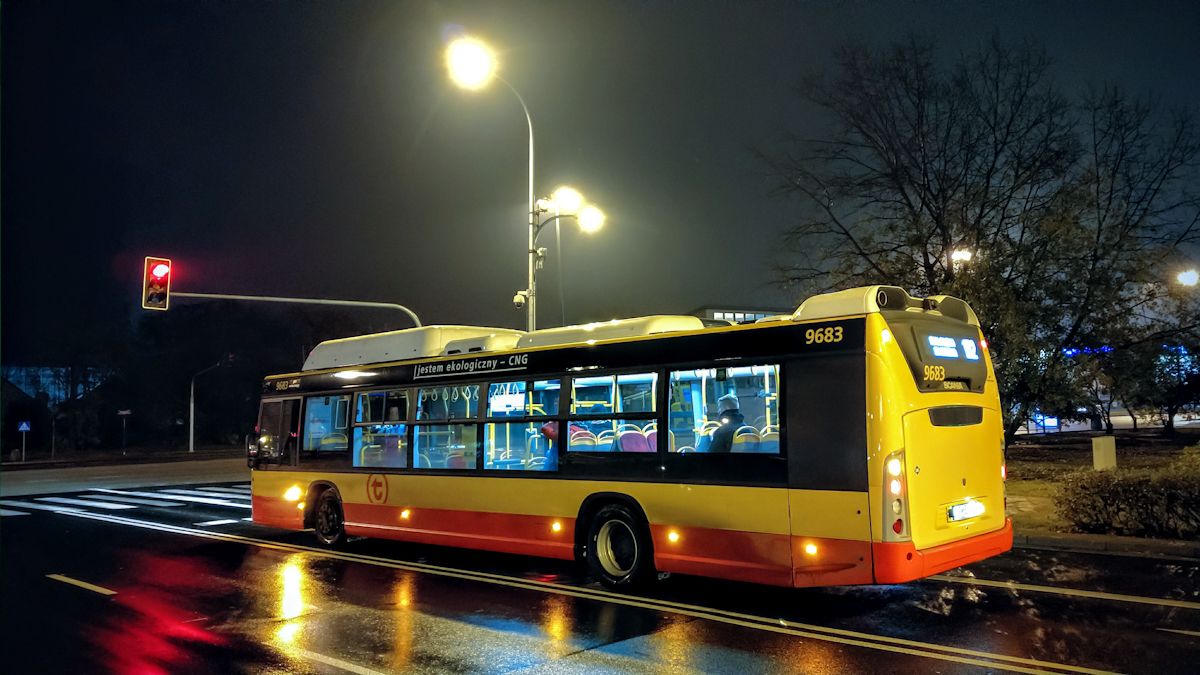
[{"x": 937, "y": 462}]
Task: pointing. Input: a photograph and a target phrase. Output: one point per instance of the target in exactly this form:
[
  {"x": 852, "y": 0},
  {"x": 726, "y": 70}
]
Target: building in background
[{"x": 738, "y": 314}]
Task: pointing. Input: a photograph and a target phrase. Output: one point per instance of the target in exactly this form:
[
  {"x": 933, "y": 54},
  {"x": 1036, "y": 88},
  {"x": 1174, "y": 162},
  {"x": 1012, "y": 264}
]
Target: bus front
[{"x": 935, "y": 438}]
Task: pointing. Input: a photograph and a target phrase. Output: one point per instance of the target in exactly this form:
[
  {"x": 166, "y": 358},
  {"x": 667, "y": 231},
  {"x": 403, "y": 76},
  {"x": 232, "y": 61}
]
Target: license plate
[{"x": 965, "y": 511}]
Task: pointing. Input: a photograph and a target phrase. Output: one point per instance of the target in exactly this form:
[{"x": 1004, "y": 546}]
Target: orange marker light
[
  {"x": 673, "y": 536},
  {"x": 895, "y": 487},
  {"x": 556, "y": 526},
  {"x": 292, "y": 494},
  {"x": 983, "y": 343},
  {"x": 811, "y": 549},
  {"x": 300, "y": 506},
  {"x": 1003, "y": 472},
  {"x": 404, "y": 514}
]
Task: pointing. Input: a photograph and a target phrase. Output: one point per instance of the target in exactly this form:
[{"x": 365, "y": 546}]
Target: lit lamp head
[
  {"x": 568, "y": 200},
  {"x": 591, "y": 219},
  {"x": 1188, "y": 278},
  {"x": 471, "y": 63}
]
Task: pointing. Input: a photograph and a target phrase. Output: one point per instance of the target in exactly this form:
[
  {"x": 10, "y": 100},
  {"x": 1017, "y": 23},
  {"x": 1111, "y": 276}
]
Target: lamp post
[
  {"x": 192, "y": 405},
  {"x": 472, "y": 66},
  {"x": 566, "y": 203}
]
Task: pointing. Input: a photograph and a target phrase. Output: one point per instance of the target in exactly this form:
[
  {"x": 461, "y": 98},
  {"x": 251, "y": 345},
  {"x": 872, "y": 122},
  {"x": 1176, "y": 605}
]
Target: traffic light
[{"x": 156, "y": 283}]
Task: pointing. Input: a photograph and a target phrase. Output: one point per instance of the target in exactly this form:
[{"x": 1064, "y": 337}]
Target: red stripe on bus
[
  {"x": 832, "y": 562},
  {"x": 503, "y": 532},
  {"x": 900, "y": 562},
  {"x": 276, "y": 512},
  {"x": 726, "y": 554}
]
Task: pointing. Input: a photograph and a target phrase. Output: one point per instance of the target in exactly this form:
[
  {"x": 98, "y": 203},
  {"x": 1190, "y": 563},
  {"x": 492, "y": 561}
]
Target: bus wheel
[
  {"x": 327, "y": 520},
  {"x": 619, "y": 548}
]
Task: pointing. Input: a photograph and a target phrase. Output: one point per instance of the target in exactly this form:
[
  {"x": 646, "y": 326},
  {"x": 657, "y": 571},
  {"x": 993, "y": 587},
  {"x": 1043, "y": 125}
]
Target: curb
[
  {"x": 127, "y": 460},
  {"x": 1093, "y": 543}
]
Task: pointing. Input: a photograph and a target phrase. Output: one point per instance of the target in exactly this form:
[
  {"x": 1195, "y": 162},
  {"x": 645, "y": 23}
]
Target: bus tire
[
  {"x": 619, "y": 551},
  {"x": 328, "y": 523}
]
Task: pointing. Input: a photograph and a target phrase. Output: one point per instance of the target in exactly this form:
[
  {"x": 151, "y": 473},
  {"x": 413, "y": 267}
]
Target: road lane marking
[
  {"x": 207, "y": 523},
  {"x": 182, "y": 498},
  {"x": 775, "y": 625},
  {"x": 1097, "y": 595},
  {"x": 131, "y": 500},
  {"x": 229, "y": 491},
  {"x": 1181, "y": 632},
  {"x": 81, "y": 584},
  {"x": 197, "y": 493},
  {"x": 330, "y": 661},
  {"x": 38, "y": 507},
  {"x": 6, "y": 512},
  {"x": 79, "y": 502}
]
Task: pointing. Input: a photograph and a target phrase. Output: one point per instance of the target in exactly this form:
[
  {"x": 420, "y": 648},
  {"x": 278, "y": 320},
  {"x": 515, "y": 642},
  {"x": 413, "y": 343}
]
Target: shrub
[{"x": 1162, "y": 502}]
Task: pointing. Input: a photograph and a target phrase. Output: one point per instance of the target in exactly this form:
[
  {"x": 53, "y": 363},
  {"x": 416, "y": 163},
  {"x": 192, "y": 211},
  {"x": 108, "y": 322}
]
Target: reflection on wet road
[{"x": 199, "y": 590}]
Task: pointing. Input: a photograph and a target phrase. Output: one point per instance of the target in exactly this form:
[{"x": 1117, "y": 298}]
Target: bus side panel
[{"x": 831, "y": 538}]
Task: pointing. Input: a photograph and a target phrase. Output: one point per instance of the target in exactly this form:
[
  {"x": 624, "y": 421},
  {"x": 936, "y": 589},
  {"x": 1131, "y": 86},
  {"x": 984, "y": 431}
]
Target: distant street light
[
  {"x": 961, "y": 255},
  {"x": 1188, "y": 278}
]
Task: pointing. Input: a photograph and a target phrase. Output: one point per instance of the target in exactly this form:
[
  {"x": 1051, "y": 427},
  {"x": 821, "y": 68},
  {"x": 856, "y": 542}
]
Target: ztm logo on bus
[{"x": 377, "y": 488}]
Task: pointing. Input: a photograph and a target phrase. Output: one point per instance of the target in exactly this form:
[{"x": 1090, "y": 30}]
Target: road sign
[
  {"x": 22, "y": 426},
  {"x": 124, "y": 412}
]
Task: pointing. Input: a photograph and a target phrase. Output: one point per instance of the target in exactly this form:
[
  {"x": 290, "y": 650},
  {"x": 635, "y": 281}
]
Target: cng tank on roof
[{"x": 398, "y": 345}]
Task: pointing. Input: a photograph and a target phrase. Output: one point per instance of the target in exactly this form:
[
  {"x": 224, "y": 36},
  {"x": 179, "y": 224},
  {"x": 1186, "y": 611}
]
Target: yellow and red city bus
[{"x": 857, "y": 441}]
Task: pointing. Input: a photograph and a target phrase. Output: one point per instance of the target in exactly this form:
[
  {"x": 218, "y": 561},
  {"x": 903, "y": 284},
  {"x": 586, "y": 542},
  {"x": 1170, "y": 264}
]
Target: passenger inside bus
[
  {"x": 731, "y": 421},
  {"x": 724, "y": 410}
]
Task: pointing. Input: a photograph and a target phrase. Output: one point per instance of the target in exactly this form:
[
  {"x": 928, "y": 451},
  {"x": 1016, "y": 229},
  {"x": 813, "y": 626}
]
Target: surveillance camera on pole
[{"x": 520, "y": 298}]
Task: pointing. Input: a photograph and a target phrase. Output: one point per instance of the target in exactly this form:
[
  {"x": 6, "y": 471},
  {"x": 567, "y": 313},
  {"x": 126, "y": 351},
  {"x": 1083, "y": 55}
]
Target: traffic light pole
[{"x": 303, "y": 301}]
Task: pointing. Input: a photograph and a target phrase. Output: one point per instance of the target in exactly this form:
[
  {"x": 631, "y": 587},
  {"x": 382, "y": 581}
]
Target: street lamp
[
  {"x": 566, "y": 202},
  {"x": 472, "y": 66},
  {"x": 961, "y": 255},
  {"x": 1188, "y": 277}
]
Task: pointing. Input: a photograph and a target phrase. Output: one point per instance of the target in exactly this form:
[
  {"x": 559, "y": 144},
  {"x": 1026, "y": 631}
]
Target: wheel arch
[
  {"x": 592, "y": 505},
  {"x": 314, "y": 492}
]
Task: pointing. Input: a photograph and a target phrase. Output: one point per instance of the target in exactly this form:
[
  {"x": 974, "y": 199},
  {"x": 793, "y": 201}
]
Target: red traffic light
[{"x": 156, "y": 283}]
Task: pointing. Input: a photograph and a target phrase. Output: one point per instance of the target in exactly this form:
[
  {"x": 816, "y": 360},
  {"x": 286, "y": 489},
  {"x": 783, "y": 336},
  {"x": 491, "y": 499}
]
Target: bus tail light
[{"x": 895, "y": 498}]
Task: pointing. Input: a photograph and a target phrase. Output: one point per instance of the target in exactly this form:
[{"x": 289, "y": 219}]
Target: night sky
[{"x": 318, "y": 149}]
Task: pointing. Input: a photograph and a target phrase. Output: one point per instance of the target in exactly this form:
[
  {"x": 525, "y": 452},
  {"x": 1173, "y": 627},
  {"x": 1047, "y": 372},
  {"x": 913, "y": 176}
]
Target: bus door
[{"x": 278, "y": 433}]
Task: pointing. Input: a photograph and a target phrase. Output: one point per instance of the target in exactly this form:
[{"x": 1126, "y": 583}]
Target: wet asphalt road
[{"x": 182, "y": 584}]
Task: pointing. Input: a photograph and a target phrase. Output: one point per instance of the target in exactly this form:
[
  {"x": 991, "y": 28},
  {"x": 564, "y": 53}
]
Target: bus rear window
[{"x": 944, "y": 354}]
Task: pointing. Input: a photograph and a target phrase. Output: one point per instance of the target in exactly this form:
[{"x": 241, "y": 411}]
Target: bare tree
[{"x": 1072, "y": 209}]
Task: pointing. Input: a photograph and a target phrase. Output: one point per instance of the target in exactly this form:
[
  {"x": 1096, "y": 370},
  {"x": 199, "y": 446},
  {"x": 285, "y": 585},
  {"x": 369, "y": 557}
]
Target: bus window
[
  {"x": 381, "y": 430},
  {"x": 613, "y": 435},
  {"x": 637, "y": 393},
  {"x": 604, "y": 422},
  {"x": 325, "y": 424},
  {"x": 543, "y": 398},
  {"x": 592, "y": 395},
  {"x": 725, "y": 410},
  {"x": 448, "y": 403},
  {"x": 446, "y": 446},
  {"x": 521, "y": 446},
  {"x": 506, "y": 399}
]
